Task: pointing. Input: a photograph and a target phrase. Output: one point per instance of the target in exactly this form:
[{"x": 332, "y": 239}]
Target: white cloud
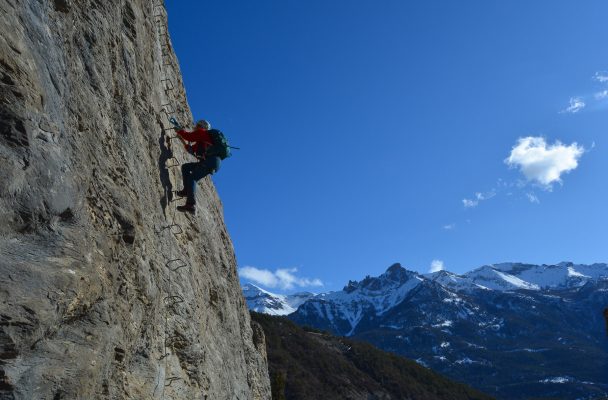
[
  {"x": 544, "y": 163},
  {"x": 601, "y": 76},
  {"x": 533, "y": 198},
  {"x": 283, "y": 278},
  {"x": 576, "y": 104},
  {"x": 449, "y": 227},
  {"x": 601, "y": 95},
  {"x": 436, "y": 266},
  {"x": 470, "y": 203}
]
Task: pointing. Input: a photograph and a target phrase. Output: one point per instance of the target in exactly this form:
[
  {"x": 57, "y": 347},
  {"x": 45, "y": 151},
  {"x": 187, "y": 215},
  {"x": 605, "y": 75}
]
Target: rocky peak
[
  {"x": 397, "y": 273},
  {"x": 351, "y": 286}
]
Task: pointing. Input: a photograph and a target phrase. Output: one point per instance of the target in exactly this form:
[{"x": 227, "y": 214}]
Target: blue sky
[{"x": 452, "y": 134}]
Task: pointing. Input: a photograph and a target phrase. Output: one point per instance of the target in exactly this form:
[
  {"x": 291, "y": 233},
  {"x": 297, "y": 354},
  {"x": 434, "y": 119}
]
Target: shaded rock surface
[{"x": 106, "y": 291}]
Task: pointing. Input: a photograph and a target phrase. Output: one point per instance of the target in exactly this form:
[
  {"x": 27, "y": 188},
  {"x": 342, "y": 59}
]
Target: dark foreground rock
[
  {"x": 106, "y": 291},
  {"x": 310, "y": 364}
]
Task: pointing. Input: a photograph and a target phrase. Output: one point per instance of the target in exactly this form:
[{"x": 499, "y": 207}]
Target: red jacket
[{"x": 200, "y": 137}]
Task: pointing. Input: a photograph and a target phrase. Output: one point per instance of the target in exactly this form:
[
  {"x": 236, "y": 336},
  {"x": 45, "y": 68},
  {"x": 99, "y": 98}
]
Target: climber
[
  {"x": 210, "y": 147},
  {"x": 606, "y": 317}
]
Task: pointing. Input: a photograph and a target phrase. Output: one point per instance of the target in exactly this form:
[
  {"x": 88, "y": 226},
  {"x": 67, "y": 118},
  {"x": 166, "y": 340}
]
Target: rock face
[{"x": 106, "y": 291}]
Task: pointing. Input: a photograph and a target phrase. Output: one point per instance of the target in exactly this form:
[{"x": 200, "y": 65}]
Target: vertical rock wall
[{"x": 106, "y": 291}]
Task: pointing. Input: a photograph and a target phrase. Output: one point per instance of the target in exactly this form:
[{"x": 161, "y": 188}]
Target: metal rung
[
  {"x": 180, "y": 264},
  {"x": 168, "y": 108},
  {"x": 168, "y": 112},
  {"x": 175, "y": 229},
  {"x": 173, "y": 379},
  {"x": 168, "y": 84},
  {"x": 175, "y": 300}
]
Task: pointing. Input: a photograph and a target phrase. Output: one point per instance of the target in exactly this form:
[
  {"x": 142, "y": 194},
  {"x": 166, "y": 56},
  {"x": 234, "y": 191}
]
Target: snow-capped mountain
[
  {"x": 263, "y": 301},
  {"x": 509, "y": 329},
  {"x": 529, "y": 276},
  {"x": 493, "y": 278},
  {"x": 516, "y": 276},
  {"x": 372, "y": 296}
]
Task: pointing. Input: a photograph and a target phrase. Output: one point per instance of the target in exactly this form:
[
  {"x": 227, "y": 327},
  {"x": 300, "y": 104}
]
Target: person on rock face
[
  {"x": 606, "y": 317},
  {"x": 198, "y": 143}
]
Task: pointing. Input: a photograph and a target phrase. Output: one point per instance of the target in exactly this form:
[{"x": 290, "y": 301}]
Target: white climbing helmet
[{"x": 203, "y": 123}]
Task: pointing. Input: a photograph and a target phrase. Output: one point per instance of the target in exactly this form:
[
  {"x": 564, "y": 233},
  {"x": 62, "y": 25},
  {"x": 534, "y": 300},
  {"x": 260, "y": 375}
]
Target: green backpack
[{"x": 220, "y": 146}]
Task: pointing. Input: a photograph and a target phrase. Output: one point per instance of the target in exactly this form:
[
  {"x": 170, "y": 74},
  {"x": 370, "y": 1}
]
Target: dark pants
[{"x": 194, "y": 172}]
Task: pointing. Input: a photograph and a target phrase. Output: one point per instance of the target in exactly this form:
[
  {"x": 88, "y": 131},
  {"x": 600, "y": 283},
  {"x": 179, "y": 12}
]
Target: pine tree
[{"x": 278, "y": 386}]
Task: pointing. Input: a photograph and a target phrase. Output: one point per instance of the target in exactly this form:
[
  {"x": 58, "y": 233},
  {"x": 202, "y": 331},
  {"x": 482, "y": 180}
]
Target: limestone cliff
[{"x": 106, "y": 291}]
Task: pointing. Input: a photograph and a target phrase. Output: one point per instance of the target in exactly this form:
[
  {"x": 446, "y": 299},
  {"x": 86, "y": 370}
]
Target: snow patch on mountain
[
  {"x": 454, "y": 281},
  {"x": 557, "y": 379},
  {"x": 573, "y": 272},
  {"x": 493, "y": 278},
  {"x": 562, "y": 275},
  {"x": 263, "y": 301}
]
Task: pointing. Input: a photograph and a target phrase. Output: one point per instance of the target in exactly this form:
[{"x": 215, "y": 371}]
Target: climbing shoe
[{"x": 190, "y": 208}]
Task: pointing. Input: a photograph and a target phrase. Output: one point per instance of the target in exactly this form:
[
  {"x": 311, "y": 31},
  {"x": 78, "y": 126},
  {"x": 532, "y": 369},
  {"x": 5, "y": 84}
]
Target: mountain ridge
[{"x": 511, "y": 330}]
